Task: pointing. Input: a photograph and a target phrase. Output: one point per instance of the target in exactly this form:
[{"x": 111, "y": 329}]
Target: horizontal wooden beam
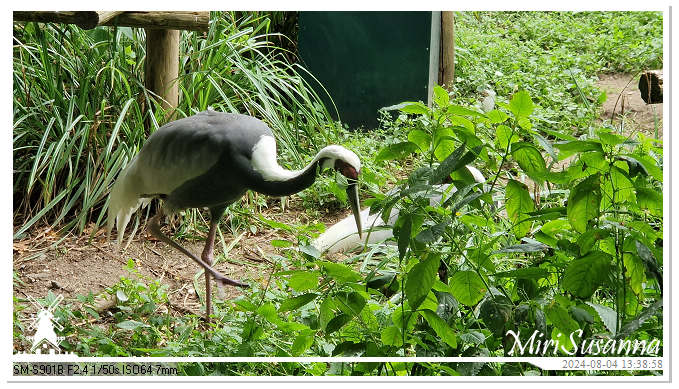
[
  {"x": 174, "y": 20},
  {"x": 82, "y": 19}
]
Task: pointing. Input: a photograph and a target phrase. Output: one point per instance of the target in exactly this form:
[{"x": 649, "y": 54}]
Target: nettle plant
[{"x": 580, "y": 252}]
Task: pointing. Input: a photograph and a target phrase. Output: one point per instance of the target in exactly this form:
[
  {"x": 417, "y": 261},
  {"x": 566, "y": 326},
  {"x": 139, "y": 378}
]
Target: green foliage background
[{"x": 583, "y": 252}]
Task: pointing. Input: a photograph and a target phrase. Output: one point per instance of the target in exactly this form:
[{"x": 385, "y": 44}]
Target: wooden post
[
  {"x": 162, "y": 67},
  {"x": 447, "y": 49}
]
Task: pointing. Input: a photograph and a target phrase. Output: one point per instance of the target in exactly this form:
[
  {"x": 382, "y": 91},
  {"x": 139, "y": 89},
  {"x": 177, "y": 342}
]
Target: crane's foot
[{"x": 228, "y": 281}]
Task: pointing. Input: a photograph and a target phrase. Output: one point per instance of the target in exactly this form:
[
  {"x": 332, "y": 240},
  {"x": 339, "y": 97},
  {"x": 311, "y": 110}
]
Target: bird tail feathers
[{"x": 124, "y": 201}]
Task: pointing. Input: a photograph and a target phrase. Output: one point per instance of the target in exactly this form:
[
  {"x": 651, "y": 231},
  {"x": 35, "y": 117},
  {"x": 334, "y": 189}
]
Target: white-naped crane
[{"x": 210, "y": 160}]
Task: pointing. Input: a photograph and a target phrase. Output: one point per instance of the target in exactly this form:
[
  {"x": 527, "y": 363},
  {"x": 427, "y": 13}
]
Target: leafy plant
[
  {"x": 81, "y": 112},
  {"x": 562, "y": 263}
]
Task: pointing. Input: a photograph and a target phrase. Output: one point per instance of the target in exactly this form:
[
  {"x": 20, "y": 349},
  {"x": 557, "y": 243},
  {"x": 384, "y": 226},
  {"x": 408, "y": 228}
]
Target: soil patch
[
  {"x": 77, "y": 266},
  {"x": 625, "y": 106}
]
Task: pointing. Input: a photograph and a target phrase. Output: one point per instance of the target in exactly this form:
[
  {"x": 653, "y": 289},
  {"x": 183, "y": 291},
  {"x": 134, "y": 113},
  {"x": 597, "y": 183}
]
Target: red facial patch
[{"x": 347, "y": 170}]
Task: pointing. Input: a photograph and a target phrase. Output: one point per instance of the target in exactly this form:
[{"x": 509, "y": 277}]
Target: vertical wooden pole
[
  {"x": 162, "y": 67},
  {"x": 448, "y": 49}
]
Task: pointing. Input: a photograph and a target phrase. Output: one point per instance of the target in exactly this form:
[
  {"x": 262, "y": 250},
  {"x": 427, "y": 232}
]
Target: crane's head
[{"x": 347, "y": 163}]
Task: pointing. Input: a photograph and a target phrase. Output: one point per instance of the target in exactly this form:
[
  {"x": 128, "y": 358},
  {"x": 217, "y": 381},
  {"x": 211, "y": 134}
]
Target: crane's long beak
[{"x": 352, "y": 193}]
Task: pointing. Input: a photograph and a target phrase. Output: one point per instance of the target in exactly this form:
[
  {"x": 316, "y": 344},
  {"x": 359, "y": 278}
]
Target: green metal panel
[{"x": 367, "y": 60}]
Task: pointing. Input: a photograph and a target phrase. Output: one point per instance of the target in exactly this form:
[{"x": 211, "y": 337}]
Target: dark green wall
[{"x": 367, "y": 60}]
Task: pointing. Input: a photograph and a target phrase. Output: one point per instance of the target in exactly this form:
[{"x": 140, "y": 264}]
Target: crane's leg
[
  {"x": 207, "y": 257},
  {"x": 154, "y": 227}
]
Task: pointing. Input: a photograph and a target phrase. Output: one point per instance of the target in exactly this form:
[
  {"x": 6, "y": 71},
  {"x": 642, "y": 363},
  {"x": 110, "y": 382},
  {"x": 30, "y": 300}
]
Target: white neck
[{"x": 264, "y": 160}]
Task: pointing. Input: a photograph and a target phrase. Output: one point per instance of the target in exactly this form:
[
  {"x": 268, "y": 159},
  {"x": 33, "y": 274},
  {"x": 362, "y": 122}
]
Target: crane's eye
[{"x": 346, "y": 169}]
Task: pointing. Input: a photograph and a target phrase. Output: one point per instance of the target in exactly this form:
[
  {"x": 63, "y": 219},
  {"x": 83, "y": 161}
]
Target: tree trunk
[{"x": 651, "y": 86}]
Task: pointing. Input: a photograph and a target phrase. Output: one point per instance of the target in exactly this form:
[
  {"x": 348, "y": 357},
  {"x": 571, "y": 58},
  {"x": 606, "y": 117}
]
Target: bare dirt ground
[
  {"x": 77, "y": 267},
  {"x": 624, "y": 103}
]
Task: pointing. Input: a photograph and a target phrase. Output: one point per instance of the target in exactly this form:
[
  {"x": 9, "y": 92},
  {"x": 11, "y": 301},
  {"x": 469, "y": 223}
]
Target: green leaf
[
  {"x": 651, "y": 200},
  {"x": 504, "y": 136},
  {"x": 610, "y": 139},
  {"x": 326, "y": 312},
  {"x": 244, "y": 304},
  {"x": 351, "y": 303},
  {"x": 649, "y": 261},
  {"x": 290, "y": 326},
  {"x": 303, "y": 280},
  {"x": 268, "y": 312},
  {"x": 296, "y": 302},
  {"x": 440, "y": 327},
  {"x": 380, "y": 280},
  {"x": 310, "y": 250},
  {"x": 441, "y": 96},
  {"x": 648, "y": 163},
  {"x": 415, "y": 108},
  {"x": 432, "y": 233},
  {"x": 462, "y": 122},
  {"x": 430, "y": 302},
  {"x": 421, "y": 139},
  {"x": 467, "y": 287},
  {"x": 131, "y": 325},
  {"x": 276, "y": 225},
  {"x": 645, "y": 314},
  {"x": 459, "y": 110},
  {"x": 608, "y": 316},
  {"x": 546, "y": 145},
  {"x": 497, "y": 116},
  {"x": 619, "y": 186},
  {"x": 404, "y": 235},
  {"x": 391, "y": 336},
  {"x": 349, "y": 349},
  {"x": 444, "y": 142},
  {"x": 281, "y": 243},
  {"x": 519, "y": 205},
  {"x": 420, "y": 280},
  {"x": 561, "y": 319},
  {"x": 302, "y": 343},
  {"x": 581, "y": 315},
  {"x": 576, "y": 146},
  {"x": 583, "y": 203},
  {"x": 525, "y": 123},
  {"x": 529, "y": 159},
  {"x": 521, "y": 104},
  {"x": 396, "y": 151},
  {"x": 635, "y": 272},
  {"x": 405, "y": 318},
  {"x": 447, "y": 166},
  {"x": 583, "y": 276},
  {"x": 496, "y": 312},
  {"x": 595, "y": 161},
  {"x": 589, "y": 238},
  {"x": 337, "y": 322},
  {"x": 339, "y": 272}
]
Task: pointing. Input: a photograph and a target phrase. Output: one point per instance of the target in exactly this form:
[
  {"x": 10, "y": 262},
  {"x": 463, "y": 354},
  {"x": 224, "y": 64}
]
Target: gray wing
[{"x": 189, "y": 147}]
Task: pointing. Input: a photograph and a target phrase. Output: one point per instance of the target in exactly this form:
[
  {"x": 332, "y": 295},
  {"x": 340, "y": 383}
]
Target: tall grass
[{"x": 80, "y": 107}]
